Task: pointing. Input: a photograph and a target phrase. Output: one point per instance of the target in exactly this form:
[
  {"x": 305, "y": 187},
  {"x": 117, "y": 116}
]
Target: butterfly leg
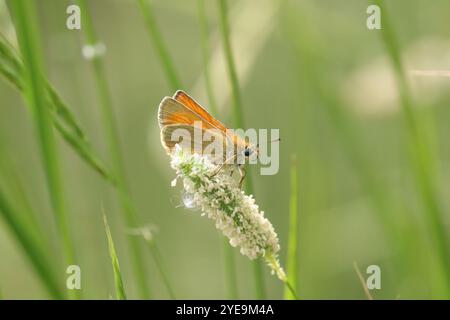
[
  {"x": 216, "y": 171},
  {"x": 243, "y": 173}
]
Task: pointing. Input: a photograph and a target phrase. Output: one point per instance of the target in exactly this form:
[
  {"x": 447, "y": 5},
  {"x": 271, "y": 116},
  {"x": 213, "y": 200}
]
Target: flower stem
[
  {"x": 291, "y": 290},
  {"x": 293, "y": 231},
  {"x": 274, "y": 264}
]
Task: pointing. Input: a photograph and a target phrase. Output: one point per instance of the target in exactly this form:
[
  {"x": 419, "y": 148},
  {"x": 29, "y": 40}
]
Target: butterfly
[{"x": 180, "y": 117}]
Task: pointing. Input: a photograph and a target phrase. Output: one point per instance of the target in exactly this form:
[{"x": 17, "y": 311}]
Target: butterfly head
[
  {"x": 250, "y": 150},
  {"x": 253, "y": 150}
]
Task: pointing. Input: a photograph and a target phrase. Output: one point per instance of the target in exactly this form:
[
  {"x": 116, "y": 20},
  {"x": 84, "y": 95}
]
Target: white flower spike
[{"x": 234, "y": 212}]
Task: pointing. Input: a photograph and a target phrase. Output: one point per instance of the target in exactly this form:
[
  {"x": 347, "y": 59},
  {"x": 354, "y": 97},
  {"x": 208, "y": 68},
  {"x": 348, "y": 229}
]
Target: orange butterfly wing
[
  {"x": 194, "y": 106},
  {"x": 183, "y": 110},
  {"x": 210, "y": 121},
  {"x": 173, "y": 112}
]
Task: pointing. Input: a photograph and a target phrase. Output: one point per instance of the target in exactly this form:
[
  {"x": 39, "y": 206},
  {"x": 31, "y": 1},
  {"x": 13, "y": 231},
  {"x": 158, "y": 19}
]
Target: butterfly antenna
[{"x": 275, "y": 140}]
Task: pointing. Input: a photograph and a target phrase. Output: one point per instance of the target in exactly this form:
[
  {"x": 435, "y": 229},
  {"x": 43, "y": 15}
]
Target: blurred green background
[{"x": 311, "y": 69}]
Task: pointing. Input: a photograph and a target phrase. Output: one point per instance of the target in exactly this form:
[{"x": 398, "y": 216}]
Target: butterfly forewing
[
  {"x": 184, "y": 113},
  {"x": 195, "y": 107}
]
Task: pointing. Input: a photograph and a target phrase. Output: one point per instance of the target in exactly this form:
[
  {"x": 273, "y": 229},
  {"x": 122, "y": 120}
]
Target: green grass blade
[
  {"x": 30, "y": 245},
  {"x": 157, "y": 258},
  {"x": 26, "y": 25},
  {"x": 292, "y": 263},
  {"x": 14, "y": 191},
  {"x": 231, "y": 66},
  {"x": 312, "y": 66},
  {"x": 362, "y": 280},
  {"x": 308, "y": 56},
  {"x": 112, "y": 139},
  {"x": 9, "y": 75},
  {"x": 11, "y": 67},
  {"x": 204, "y": 36},
  {"x": 421, "y": 161},
  {"x": 120, "y": 291},
  {"x": 85, "y": 152},
  {"x": 10, "y": 61},
  {"x": 157, "y": 40},
  {"x": 64, "y": 113},
  {"x": 156, "y": 254},
  {"x": 228, "y": 254},
  {"x": 239, "y": 123},
  {"x": 14, "y": 71},
  {"x": 148, "y": 237}
]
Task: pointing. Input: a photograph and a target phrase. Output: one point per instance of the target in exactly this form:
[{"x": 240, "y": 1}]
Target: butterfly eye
[{"x": 247, "y": 152}]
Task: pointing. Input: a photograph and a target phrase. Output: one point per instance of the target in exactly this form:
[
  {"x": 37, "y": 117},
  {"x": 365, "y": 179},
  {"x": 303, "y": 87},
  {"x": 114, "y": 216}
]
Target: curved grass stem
[
  {"x": 239, "y": 123},
  {"x": 35, "y": 90},
  {"x": 204, "y": 36},
  {"x": 157, "y": 40},
  {"x": 112, "y": 139},
  {"x": 422, "y": 162}
]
